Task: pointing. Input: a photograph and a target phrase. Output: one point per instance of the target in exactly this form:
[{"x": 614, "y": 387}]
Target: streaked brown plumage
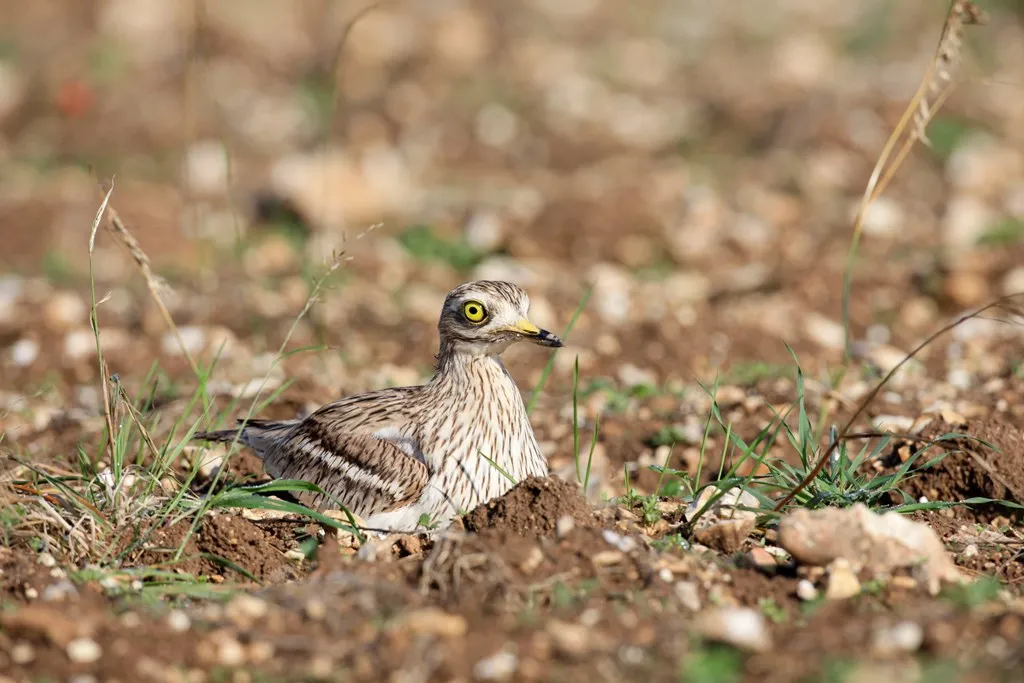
[{"x": 393, "y": 455}]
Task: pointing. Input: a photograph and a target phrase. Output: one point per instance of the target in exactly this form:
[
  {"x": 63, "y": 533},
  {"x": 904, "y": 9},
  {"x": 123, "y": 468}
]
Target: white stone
[
  {"x": 904, "y": 637},
  {"x": 967, "y": 219},
  {"x": 893, "y": 423},
  {"x": 179, "y": 621},
  {"x": 12, "y": 288},
  {"x": 740, "y": 627},
  {"x": 24, "y": 352},
  {"x": 64, "y": 310},
  {"x": 84, "y": 651},
  {"x": 206, "y": 167},
  {"x": 883, "y": 217},
  {"x": 805, "y": 590},
  {"x": 688, "y": 595},
  {"x": 1013, "y": 281},
  {"x": 826, "y": 333},
  {"x": 497, "y": 667},
  {"x": 496, "y": 126},
  {"x": 12, "y": 88},
  {"x": 484, "y": 231}
]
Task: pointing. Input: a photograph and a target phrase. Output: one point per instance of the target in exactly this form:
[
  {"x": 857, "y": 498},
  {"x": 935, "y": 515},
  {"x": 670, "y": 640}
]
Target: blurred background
[{"x": 696, "y": 165}]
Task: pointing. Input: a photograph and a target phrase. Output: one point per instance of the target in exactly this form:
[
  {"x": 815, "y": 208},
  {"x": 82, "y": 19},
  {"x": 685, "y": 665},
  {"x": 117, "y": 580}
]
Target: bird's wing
[
  {"x": 366, "y": 473},
  {"x": 368, "y": 413},
  {"x": 355, "y": 449}
]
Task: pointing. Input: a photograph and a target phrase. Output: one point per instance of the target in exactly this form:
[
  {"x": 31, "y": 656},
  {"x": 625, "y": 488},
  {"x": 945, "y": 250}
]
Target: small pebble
[
  {"x": 688, "y": 595},
  {"x": 244, "y": 609},
  {"x": 906, "y": 636},
  {"x": 564, "y": 526},
  {"x": 230, "y": 652},
  {"x": 436, "y": 622},
  {"x": 740, "y": 627},
  {"x": 58, "y": 591},
  {"x": 179, "y": 621},
  {"x": 22, "y": 653},
  {"x": 497, "y": 667},
  {"x": 315, "y": 610},
  {"x": 623, "y": 543},
  {"x": 842, "y": 581},
  {"x": 84, "y": 651},
  {"x": 570, "y": 640},
  {"x": 64, "y": 310},
  {"x": 805, "y": 590},
  {"x": 24, "y": 352}
]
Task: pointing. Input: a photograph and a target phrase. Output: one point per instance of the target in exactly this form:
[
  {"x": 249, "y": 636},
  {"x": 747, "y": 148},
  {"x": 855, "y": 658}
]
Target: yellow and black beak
[{"x": 536, "y": 334}]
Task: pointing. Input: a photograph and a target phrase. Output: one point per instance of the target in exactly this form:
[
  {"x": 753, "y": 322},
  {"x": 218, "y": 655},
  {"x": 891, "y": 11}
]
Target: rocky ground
[{"x": 683, "y": 175}]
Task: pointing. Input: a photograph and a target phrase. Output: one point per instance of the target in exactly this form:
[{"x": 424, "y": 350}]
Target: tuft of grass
[
  {"x": 843, "y": 434},
  {"x": 826, "y": 470},
  {"x": 582, "y": 477},
  {"x": 712, "y": 664},
  {"x": 772, "y": 610},
  {"x": 56, "y": 267},
  {"x": 425, "y": 245},
  {"x": 946, "y": 133},
  {"x": 1003, "y": 233},
  {"x": 619, "y": 399},
  {"x": 751, "y": 372},
  {"x": 104, "y": 515},
  {"x": 968, "y": 596}
]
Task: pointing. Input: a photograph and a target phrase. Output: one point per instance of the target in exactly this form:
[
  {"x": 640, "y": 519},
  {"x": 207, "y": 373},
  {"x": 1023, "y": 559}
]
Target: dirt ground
[{"x": 688, "y": 171}]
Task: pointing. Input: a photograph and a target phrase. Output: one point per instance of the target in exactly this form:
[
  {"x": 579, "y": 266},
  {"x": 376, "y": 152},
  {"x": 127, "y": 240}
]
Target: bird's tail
[{"x": 256, "y": 434}]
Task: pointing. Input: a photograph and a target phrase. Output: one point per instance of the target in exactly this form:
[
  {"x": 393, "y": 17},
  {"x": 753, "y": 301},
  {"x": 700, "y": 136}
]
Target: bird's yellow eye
[{"x": 474, "y": 312}]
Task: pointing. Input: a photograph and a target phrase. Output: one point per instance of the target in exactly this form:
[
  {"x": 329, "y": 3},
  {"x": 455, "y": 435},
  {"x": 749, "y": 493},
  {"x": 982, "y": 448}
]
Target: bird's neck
[{"x": 459, "y": 367}]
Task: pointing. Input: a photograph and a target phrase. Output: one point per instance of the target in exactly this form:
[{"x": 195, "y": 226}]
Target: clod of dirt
[
  {"x": 726, "y": 524},
  {"x": 532, "y": 508},
  {"x": 241, "y": 543},
  {"x": 973, "y": 469},
  {"x": 878, "y": 543},
  {"x": 51, "y": 623}
]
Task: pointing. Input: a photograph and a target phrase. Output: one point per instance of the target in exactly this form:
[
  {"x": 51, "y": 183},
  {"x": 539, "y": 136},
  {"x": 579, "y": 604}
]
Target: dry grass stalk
[
  {"x": 137, "y": 419},
  {"x": 154, "y": 283},
  {"x": 94, "y": 323},
  {"x": 939, "y": 78},
  {"x": 938, "y": 83}
]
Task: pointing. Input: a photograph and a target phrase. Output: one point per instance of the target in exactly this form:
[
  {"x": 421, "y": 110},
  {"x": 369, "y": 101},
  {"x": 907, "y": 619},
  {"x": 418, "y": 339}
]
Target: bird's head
[{"x": 487, "y": 316}]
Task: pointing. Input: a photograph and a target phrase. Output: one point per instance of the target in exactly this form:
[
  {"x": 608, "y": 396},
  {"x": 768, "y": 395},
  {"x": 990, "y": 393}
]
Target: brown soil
[
  {"x": 222, "y": 544},
  {"x": 532, "y": 508},
  {"x": 986, "y": 462}
]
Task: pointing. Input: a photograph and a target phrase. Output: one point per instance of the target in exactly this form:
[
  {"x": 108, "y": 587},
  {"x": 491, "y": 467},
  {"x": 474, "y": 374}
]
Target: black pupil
[{"x": 473, "y": 311}]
